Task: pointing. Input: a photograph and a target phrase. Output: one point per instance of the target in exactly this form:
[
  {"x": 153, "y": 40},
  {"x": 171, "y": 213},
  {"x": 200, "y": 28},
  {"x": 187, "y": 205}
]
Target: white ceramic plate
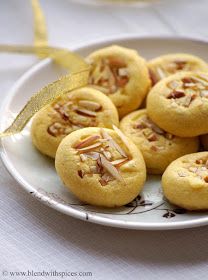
[{"x": 36, "y": 173}]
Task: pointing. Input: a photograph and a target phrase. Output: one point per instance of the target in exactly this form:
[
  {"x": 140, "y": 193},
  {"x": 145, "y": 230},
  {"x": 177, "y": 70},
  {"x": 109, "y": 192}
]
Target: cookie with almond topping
[
  {"x": 179, "y": 104},
  {"x": 185, "y": 181},
  {"x": 159, "y": 148},
  {"x": 122, "y": 75},
  {"x": 101, "y": 166},
  {"x": 169, "y": 64},
  {"x": 85, "y": 107}
]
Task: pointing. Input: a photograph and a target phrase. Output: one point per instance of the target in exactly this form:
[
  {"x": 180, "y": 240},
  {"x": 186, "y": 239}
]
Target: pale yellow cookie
[
  {"x": 158, "y": 147},
  {"x": 179, "y": 104},
  {"x": 185, "y": 181},
  {"x": 166, "y": 65},
  {"x": 85, "y": 107},
  {"x": 121, "y": 74},
  {"x": 101, "y": 166}
]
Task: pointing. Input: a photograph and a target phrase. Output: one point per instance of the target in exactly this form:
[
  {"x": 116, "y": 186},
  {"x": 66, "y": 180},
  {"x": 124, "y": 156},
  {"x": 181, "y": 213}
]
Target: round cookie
[
  {"x": 121, "y": 74},
  {"x": 158, "y": 147},
  {"x": 185, "y": 181},
  {"x": 179, "y": 104},
  {"x": 166, "y": 65},
  {"x": 85, "y": 107},
  {"x": 101, "y": 166}
]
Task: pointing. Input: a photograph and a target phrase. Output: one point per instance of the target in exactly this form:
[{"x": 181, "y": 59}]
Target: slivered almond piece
[
  {"x": 119, "y": 162},
  {"x": 152, "y": 137},
  {"x": 204, "y": 93},
  {"x": 83, "y": 157},
  {"x": 110, "y": 168},
  {"x": 182, "y": 173},
  {"x": 176, "y": 94},
  {"x": 193, "y": 169},
  {"x": 123, "y": 72},
  {"x": 92, "y": 155},
  {"x": 189, "y": 85},
  {"x": 87, "y": 142},
  {"x": 89, "y": 148},
  {"x": 107, "y": 177},
  {"x": 121, "y": 135},
  {"x": 203, "y": 76},
  {"x": 103, "y": 182},
  {"x": 201, "y": 81},
  {"x": 107, "y": 154},
  {"x": 187, "y": 101},
  {"x": 173, "y": 84},
  {"x": 112, "y": 143},
  {"x": 160, "y": 73},
  {"x": 90, "y": 105},
  {"x": 156, "y": 128},
  {"x": 85, "y": 112}
]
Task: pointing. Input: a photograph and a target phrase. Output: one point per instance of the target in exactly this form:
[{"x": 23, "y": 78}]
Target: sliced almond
[
  {"x": 85, "y": 112},
  {"x": 90, "y": 105},
  {"x": 156, "y": 128},
  {"x": 189, "y": 85},
  {"x": 112, "y": 143},
  {"x": 152, "y": 137},
  {"x": 87, "y": 142},
  {"x": 110, "y": 168},
  {"x": 160, "y": 73},
  {"x": 173, "y": 84},
  {"x": 193, "y": 169},
  {"x": 107, "y": 154},
  {"x": 205, "y": 83},
  {"x": 103, "y": 182},
  {"x": 187, "y": 101},
  {"x": 89, "y": 148},
  {"x": 204, "y": 93},
  {"x": 83, "y": 157},
  {"x": 203, "y": 76},
  {"x": 182, "y": 173},
  {"x": 176, "y": 94},
  {"x": 123, "y": 72},
  {"x": 107, "y": 177},
  {"x": 119, "y": 162},
  {"x": 123, "y": 137},
  {"x": 92, "y": 155}
]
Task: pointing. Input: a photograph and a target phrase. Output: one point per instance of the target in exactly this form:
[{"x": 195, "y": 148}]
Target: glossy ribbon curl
[{"x": 78, "y": 68}]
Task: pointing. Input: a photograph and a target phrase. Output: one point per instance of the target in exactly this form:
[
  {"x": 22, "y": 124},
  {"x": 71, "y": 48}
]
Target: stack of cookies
[{"x": 161, "y": 109}]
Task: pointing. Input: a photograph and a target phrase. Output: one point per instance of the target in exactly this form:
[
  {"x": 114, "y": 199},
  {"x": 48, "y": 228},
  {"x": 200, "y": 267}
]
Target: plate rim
[{"x": 69, "y": 210}]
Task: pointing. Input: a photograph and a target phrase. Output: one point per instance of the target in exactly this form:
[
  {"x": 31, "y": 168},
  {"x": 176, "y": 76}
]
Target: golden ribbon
[{"x": 78, "y": 77}]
